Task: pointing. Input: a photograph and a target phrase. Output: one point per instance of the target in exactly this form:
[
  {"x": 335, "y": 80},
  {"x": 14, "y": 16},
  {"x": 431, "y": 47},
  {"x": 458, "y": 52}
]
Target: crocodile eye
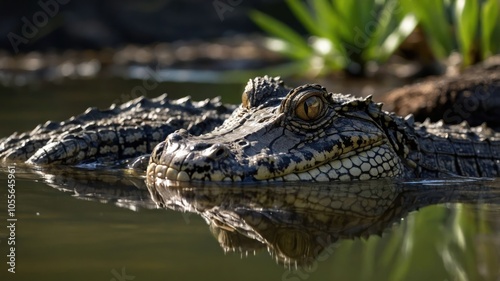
[{"x": 309, "y": 108}]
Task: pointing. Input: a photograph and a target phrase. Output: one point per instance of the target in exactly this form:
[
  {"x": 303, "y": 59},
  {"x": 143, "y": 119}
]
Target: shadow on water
[{"x": 310, "y": 228}]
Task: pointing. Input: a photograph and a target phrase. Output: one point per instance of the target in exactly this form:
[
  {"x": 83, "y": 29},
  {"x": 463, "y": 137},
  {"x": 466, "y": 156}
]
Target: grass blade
[
  {"x": 394, "y": 26},
  {"x": 300, "y": 10},
  {"x": 392, "y": 42},
  {"x": 327, "y": 19},
  {"x": 434, "y": 20},
  {"x": 298, "y": 47},
  {"x": 466, "y": 12},
  {"x": 490, "y": 27}
]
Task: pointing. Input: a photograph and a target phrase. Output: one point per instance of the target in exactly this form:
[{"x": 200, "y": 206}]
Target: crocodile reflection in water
[
  {"x": 297, "y": 222},
  {"x": 123, "y": 189}
]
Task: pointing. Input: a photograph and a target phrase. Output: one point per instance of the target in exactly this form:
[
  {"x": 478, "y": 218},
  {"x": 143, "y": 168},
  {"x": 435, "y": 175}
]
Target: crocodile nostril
[
  {"x": 199, "y": 146},
  {"x": 217, "y": 151}
]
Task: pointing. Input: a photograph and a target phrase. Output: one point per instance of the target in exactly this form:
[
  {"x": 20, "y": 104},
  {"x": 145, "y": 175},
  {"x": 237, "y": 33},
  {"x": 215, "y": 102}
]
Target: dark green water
[{"x": 62, "y": 237}]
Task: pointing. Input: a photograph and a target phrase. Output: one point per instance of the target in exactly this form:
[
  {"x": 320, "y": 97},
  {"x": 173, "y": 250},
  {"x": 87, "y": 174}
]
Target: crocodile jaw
[{"x": 371, "y": 157}]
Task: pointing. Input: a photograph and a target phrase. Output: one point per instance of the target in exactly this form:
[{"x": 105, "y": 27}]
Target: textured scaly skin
[
  {"x": 307, "y": 133},
  {"x": 109, "y": 136}
]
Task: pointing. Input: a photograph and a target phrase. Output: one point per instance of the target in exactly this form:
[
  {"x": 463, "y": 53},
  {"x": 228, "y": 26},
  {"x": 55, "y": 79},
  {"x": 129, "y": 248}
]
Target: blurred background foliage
[
  {"x": 229, "y": 41},
  {"x": 347, "y": 35}
]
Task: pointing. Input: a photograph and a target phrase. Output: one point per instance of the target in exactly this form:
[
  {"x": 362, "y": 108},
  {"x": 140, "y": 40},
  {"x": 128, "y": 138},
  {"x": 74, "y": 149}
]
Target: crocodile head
[{"x": 305, "y": 133}]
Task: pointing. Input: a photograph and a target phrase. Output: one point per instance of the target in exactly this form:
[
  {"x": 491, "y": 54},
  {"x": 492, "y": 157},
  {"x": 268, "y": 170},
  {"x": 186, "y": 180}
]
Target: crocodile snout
[{"x": 179, "y": 159}]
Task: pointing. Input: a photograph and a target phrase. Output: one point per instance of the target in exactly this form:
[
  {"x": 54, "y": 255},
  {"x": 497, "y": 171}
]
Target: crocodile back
[{"x": 456, "y": 150}]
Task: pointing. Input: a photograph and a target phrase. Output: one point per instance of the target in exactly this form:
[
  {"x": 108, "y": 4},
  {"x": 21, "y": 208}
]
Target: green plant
[
  {"x": 344, "y": 34},
  {"x": 470, "y": 26}
]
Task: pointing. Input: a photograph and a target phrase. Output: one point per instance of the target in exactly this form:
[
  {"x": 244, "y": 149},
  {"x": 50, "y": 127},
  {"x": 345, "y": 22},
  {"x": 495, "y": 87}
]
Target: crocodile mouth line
[{"x": 372, "y": 160}]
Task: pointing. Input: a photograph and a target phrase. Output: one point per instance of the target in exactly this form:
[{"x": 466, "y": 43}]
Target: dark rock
[{"x": 473, "y": 96}]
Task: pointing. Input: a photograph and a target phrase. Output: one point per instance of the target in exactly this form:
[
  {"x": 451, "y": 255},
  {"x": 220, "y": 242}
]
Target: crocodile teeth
[
  {"x": 172, "y": 174},
  {"x": 182, "y": 176}
]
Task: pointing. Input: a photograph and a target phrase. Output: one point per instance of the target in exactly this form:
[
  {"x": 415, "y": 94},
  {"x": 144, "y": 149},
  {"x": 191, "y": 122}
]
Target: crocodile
[
  {"x": 472, "y": 96},
  {"x": 277, "y": 133},
  {"x": 309, "y": 134}
]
